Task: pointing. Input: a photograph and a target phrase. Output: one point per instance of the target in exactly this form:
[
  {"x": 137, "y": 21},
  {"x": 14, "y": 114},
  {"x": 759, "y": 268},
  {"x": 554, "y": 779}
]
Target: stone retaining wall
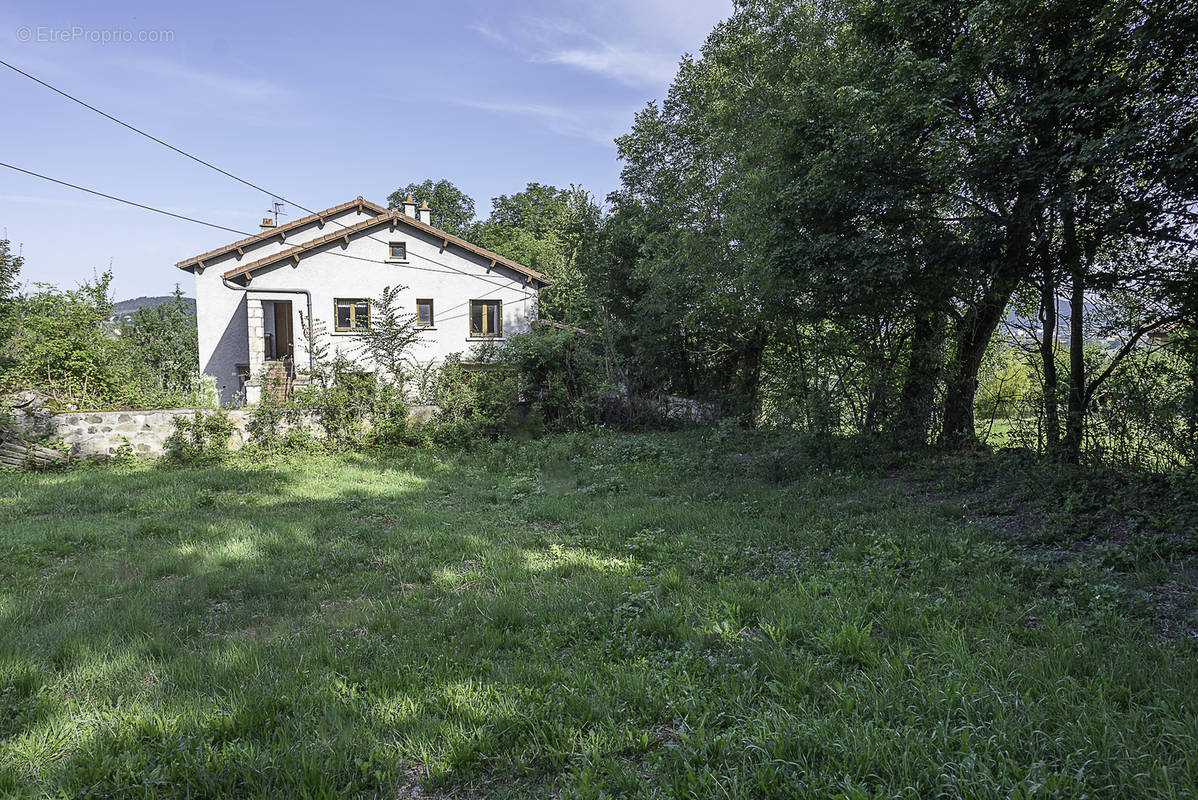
[{"x": 101, "y": 433}]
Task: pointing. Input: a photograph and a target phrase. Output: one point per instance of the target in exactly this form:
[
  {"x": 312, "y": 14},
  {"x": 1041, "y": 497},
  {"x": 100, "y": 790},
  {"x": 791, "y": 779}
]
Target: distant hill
[{"x": 125, "y": 309}]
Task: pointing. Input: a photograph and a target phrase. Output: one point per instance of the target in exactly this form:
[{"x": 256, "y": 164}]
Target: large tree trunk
[
  {"x": 750, "y": 373},
  {"x": 980, "y": 321},
  {"x": 918, "y": 395},
  {"x": 1075, "y": 418},
  {"x": 973, "y": 337},
  {"x": 1048, "y": 299}
]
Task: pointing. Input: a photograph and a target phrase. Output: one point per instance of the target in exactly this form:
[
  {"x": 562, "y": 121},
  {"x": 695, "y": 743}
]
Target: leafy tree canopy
[
  {"x": 547, "y": 229},
  {"x": 453, "y": 209}
]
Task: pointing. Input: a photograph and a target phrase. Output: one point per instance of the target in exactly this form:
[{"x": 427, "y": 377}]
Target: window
[
  {"x": 486, "y": 318},
  {"x": 352, "y": 315},
  {"x": 397, "y": 251},
  {"x": 424, "y": 313}
]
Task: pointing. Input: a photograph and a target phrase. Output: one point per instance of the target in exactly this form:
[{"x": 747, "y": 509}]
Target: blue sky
[{"x": 318, "y": 102}]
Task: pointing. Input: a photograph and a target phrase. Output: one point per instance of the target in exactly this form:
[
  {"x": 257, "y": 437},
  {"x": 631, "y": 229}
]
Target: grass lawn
[{"x": 670, "y": 615}]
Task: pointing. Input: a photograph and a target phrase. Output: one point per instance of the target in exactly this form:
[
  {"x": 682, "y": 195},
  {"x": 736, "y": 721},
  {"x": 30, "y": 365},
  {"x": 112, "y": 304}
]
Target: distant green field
[
  {"x": 997, "y": 432},
  {"x": 585, "y": 616}
]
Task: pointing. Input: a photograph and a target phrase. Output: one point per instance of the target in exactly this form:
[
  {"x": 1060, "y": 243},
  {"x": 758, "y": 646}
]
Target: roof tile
[
  {"x": 269, "y": 232},
  {"x": 386, "y": 217}
]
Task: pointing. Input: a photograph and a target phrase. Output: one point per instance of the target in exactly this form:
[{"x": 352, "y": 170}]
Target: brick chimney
[
  {"x": 409, "y": 206},
  {"x": 266, "y": 224},
  {"x": 424, "y": 213}
]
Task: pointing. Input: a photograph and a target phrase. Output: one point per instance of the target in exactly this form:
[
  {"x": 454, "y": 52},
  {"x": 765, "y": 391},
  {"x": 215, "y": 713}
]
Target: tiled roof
[
  {"x": 393, "y": 218},
  {"x": 281, "y": 229}
]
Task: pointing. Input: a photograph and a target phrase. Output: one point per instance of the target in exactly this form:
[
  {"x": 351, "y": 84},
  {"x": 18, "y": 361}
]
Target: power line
[
  {"x": 450, "y": 270},
  {"x": 122, "y": 200},
  {"x": 151, "y": 137},
  {"x": 211, "y": 166}
]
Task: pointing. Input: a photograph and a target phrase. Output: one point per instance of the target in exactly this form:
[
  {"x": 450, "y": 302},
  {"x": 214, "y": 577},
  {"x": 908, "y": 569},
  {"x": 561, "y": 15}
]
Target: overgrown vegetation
[
  {"x": 692, "y": 614},
  {"x": 845, "y": 198},
  {"x": 200, "y": 439},
  {"x": 925, "y": 222},
  {"x": 56, "y": 341}
]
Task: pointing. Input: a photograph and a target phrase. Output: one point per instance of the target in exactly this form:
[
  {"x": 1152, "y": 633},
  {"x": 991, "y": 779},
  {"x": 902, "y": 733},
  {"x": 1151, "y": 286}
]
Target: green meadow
[{"x": 692, "y": 614}]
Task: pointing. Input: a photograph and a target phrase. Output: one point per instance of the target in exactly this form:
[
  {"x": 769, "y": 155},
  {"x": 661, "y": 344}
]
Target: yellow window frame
[
  {"x": 353, "y": 303},
  {"x": 484, "y": 333}
]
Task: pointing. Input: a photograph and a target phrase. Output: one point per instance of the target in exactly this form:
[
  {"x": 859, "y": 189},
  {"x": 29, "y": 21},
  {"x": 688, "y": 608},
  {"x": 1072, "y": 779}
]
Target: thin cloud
[
  {"x": 489, "y": 33},
  {"x": 598, "y": 127},
  {"x": 628, "y": 67},
  {"x": 226, "y": 86},
  {"x": 642, "y": 52}
]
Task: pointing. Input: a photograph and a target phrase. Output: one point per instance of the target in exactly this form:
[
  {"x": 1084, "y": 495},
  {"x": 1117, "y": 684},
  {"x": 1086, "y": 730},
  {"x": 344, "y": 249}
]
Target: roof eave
[
  {"x": 320, "y": 216},
  {"x": 391, "y": 217}
]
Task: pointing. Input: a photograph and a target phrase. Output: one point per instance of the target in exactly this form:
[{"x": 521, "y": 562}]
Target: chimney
[
  {"x": 267, "y": 223},
  {"x": 425, "y": 214},
  {"x": 409, "y": 206}
]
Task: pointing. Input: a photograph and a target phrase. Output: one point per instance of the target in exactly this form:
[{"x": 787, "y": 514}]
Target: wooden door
[{"x": 284, "y": 342}]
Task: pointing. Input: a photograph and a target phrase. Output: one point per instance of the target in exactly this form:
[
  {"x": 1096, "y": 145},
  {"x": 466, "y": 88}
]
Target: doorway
[
  {"x": 279, "y": 348},
  {"x": 280, "y": 340}
]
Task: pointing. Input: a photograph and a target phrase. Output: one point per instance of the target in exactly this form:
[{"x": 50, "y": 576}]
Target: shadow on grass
[
  {"x": 376, "y": 625},
  {"x": 249, "y": 631}
]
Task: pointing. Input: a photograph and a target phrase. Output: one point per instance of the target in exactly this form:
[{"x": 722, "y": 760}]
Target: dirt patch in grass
[{"x": 1117, "y": 524}]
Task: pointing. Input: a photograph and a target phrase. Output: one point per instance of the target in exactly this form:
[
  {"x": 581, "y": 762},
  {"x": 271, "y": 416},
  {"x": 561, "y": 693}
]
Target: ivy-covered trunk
[
  {"x": 750, "y": 373},
  {"x": 925, "y": 363},
  {"x": 1048, "y": 343}
]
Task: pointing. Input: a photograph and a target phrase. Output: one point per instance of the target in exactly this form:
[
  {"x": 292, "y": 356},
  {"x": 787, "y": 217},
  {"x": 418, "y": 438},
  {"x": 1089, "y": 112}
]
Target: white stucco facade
[{"x": 233, "y": 314}]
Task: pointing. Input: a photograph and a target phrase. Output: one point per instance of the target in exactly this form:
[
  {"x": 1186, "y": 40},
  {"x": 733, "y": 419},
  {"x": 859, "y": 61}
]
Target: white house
[{"x": 252, "y": 295}]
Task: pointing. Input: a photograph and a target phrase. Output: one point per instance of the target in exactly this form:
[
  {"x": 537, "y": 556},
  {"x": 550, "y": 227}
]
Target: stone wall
[{"x": 101, "y": 433}]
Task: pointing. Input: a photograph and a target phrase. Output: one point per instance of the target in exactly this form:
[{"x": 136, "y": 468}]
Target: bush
[
  {"x": 268, "y": 421},
  {"x": 561, "y": 375},
  {"x": 389, "y": 416},
  {"x": 59, "y": 342},
  {"x": 200, "y": 439},
  {"x": 352, "y": 409},
  {"x": 477, "y": 401}
]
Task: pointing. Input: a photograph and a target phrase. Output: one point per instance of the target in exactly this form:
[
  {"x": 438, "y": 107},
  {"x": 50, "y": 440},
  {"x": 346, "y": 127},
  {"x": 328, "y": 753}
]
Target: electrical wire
[
  {"x": 151, "y": 137},
  {"x": 211, "y": 166},
  {"x": 121, "y": 199},
  {"x": 450, "y": 270}
]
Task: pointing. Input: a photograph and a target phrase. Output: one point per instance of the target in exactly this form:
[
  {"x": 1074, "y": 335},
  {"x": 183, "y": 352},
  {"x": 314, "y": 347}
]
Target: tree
[
  {"x": 907, "y": 166},
  {"x": 547, "y": 229},
  {"x": 10, "y": 268},
  {"x": 391, "y": 335},
  {"x": 1075, "y": 130},
  {"x": 61, "y": 347},
  {"x": 164, "y": 344},
  {"x": 452, "y": 209}
]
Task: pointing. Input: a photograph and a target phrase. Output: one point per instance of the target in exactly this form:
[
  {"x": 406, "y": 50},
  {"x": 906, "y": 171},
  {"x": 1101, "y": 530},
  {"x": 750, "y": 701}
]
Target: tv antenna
[{"x": 278, "y": 209}]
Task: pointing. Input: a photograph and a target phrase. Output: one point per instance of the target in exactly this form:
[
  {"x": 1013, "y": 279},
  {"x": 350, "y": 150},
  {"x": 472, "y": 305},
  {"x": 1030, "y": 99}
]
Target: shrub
[
  {"x": 389, "y": 416},
  {"x": 352, "y": 409},
  {"x": 267, "y": 421},
  {"x": 561, "y": 375},
  {"x": 202, "y": 438},
  {"x": 477, "y": 400}
]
